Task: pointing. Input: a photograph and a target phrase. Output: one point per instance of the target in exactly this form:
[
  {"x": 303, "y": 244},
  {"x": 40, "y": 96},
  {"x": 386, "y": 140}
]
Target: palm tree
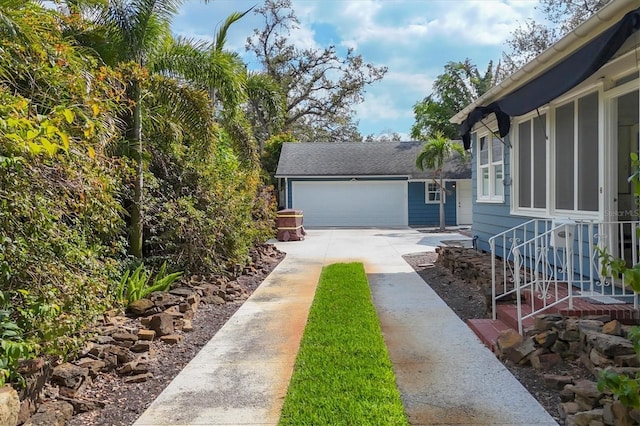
[
  {"x": 434, "y": 154},
  {"x": 135, "y": 34}
]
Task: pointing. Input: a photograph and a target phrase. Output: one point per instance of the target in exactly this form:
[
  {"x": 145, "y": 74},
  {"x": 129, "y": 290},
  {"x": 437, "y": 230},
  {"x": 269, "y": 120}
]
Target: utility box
[
  {"x": 289, "y": 224},
  {"x": 562, "y": 234}
]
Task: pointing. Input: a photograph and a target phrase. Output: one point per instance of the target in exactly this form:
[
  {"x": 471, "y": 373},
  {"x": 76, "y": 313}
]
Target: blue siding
[
  {"x": 423, "y": 214},
  {"x": 490, "y": 219}
]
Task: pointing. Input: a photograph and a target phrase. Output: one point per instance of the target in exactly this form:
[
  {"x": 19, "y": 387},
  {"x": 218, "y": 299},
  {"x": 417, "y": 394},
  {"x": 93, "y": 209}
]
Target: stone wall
[
  {"x": 475, "y": 268},
  {"x": 598, "y": 343}
]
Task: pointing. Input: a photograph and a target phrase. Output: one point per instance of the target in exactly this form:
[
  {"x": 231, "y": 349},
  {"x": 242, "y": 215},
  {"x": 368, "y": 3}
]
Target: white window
[
  {"x": 576, "y": 155},
  {"x": 531, "y": 163},
  {"x": 490, "y": 169},
  {"x": 433, "y": 192}
]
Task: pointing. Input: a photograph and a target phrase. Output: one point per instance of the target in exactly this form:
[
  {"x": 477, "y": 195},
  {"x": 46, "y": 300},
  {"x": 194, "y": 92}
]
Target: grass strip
[{"x": 343, "y": 375}]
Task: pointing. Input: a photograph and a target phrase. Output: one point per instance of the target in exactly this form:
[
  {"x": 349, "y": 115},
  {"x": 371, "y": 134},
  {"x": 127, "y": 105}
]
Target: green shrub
[
  {"x": 12, "y": 346},
  {"x": 206, "y": 209}
]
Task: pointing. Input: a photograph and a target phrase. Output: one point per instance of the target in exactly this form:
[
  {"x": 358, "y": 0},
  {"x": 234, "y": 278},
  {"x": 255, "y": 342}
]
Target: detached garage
[
  {"x": 367, "y": 185},
  {"x": 351, "y": 202}
]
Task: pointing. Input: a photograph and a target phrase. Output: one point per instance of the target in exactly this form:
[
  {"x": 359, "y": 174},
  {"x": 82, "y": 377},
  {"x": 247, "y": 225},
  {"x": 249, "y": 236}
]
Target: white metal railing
[{"x": 557, "y": 262}]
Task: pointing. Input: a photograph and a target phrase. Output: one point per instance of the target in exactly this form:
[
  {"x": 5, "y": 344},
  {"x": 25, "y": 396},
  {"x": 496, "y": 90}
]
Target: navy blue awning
[{"x": 557, "y": 80}]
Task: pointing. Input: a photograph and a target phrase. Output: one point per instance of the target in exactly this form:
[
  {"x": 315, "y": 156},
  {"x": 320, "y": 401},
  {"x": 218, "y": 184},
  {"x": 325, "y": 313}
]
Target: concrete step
[{"x": 488, "y": 330}]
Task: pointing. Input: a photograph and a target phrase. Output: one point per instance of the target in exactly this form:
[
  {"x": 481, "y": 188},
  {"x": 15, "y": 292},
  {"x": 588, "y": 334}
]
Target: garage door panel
[{"x": 351, "y": 203}]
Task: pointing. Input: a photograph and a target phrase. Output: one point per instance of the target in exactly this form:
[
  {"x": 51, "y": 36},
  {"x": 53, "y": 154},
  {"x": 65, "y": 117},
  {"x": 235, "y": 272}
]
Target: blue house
[
  {"x": 370, "y": 185},
  {"x": 551, "y": 156}
]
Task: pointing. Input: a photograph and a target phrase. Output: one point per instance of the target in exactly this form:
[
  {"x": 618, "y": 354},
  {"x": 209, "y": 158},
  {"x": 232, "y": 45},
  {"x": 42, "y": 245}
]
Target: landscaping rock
[
  {"x": 213, "y": 300},
  {"x": 585, "y": 325},
  {"x": 83, "y": 405},
  {"x": 69, "y": 375},
  {"x": 569, "y": 335},
  {"x": 162, "y": 324},
  {"x": 94, "y": 366},
  {"x": 599, "y": 359},
  {"x": 566, "y": 395},
  {"x": 194, "y": 301},
  {"x": 546, "y": 339},
  {"x": 146, "y": 334},
  {"x": 124, "y": 337},
  {"x": 587, "y": 418},
  {"x": 567, "y": 408},
  {"x": 55, "y": 413},
  {"x": 547, "y": 321},
  {"x": 627, "y": 360},
  {"x": 139, "y": 347},
  {"x": 104, "y": 340},
  {"x": 621, "y": 414},
  {"x": 560, "y": 347},
  {"x": 609, "y": 345},
  {"x": 9, "y": 406},
  {"x": 171, "y": 339},
  {"x": 508, "y": 339},
  {"x": 612, "y": 327},
  {"x": 140, "y": 307},
  {"x": 138, "y": 378},
  {"x": 181, "y": 291},
  {"x": 585, "y": 388},
  {"x": 122, "y": 355},
  {"x": 187, "y": 326},
  {"x": 544, "y": 361},
  {"x": 556, "y": 381}
]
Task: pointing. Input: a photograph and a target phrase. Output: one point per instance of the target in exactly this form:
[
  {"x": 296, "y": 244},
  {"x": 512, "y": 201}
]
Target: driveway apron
[{"x": 444, "y": 374}]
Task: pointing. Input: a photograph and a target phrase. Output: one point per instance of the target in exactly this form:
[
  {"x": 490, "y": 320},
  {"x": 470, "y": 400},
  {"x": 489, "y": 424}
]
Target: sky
[{"x": 414, "y": 39}]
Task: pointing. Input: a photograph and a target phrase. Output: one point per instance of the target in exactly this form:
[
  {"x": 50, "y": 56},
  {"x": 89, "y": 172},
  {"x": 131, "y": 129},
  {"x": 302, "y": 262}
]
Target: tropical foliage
[
  {"x": 434, "y": 154},
  {"x": 459, "y": 84},
  {"x": 117, "y": 142}
]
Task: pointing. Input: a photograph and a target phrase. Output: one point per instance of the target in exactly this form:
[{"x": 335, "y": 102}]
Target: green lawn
[{"x": 343, "y": 375}]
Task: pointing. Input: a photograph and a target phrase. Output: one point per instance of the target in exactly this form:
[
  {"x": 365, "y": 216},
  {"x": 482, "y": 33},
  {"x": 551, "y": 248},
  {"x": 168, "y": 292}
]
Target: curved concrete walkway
[{"x": 445, "y": 375}]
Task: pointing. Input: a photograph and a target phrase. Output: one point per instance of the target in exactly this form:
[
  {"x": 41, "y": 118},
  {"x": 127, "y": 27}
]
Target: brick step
[
  {"x": 508, "y": 314},
  {"x": 625, "y": 313},
  {"x": 487, "y": 330}
]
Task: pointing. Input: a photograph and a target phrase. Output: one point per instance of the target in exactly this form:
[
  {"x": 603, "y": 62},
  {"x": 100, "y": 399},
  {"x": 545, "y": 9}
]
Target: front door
[
  {"x": 625, "y": 136},
  {"x": 463, "y": 195}
]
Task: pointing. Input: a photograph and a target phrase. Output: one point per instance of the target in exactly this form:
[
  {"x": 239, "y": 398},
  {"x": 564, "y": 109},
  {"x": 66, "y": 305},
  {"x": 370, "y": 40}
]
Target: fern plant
[{"x": 136, "y": 285}]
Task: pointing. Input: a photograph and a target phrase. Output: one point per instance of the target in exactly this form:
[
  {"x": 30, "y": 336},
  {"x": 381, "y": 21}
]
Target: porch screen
[
  {"x": 576, "y": 149},
  {"x": 532, "y": 163},
  {"x": 588, "y": 153},
  {"x": 564, "y": 76},
  {"x": 564, "y": 157}
]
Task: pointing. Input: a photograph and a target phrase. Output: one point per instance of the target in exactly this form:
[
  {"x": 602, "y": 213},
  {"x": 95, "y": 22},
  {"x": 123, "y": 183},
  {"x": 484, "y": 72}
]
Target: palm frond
[{"x": 221, "y": 34}]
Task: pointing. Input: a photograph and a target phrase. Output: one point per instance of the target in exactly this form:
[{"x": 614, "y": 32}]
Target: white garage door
[{"x": 352, "y": 203}]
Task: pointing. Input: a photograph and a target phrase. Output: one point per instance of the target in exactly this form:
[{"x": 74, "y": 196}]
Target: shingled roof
[{"x": 361, "y": 159}]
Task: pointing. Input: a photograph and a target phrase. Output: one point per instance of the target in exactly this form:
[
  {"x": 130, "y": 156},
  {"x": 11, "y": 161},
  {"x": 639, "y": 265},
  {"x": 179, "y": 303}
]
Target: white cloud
[
  {"x": 482, "y": 22},
  {"x": 411, "y": 22},
  {"x": 413, "y": 38},
  {"x": 302, "y": 37}
]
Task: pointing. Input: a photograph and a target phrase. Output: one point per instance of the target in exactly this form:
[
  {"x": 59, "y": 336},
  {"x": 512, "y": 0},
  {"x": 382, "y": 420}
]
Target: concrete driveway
[{"x": 445, "y": 375}]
